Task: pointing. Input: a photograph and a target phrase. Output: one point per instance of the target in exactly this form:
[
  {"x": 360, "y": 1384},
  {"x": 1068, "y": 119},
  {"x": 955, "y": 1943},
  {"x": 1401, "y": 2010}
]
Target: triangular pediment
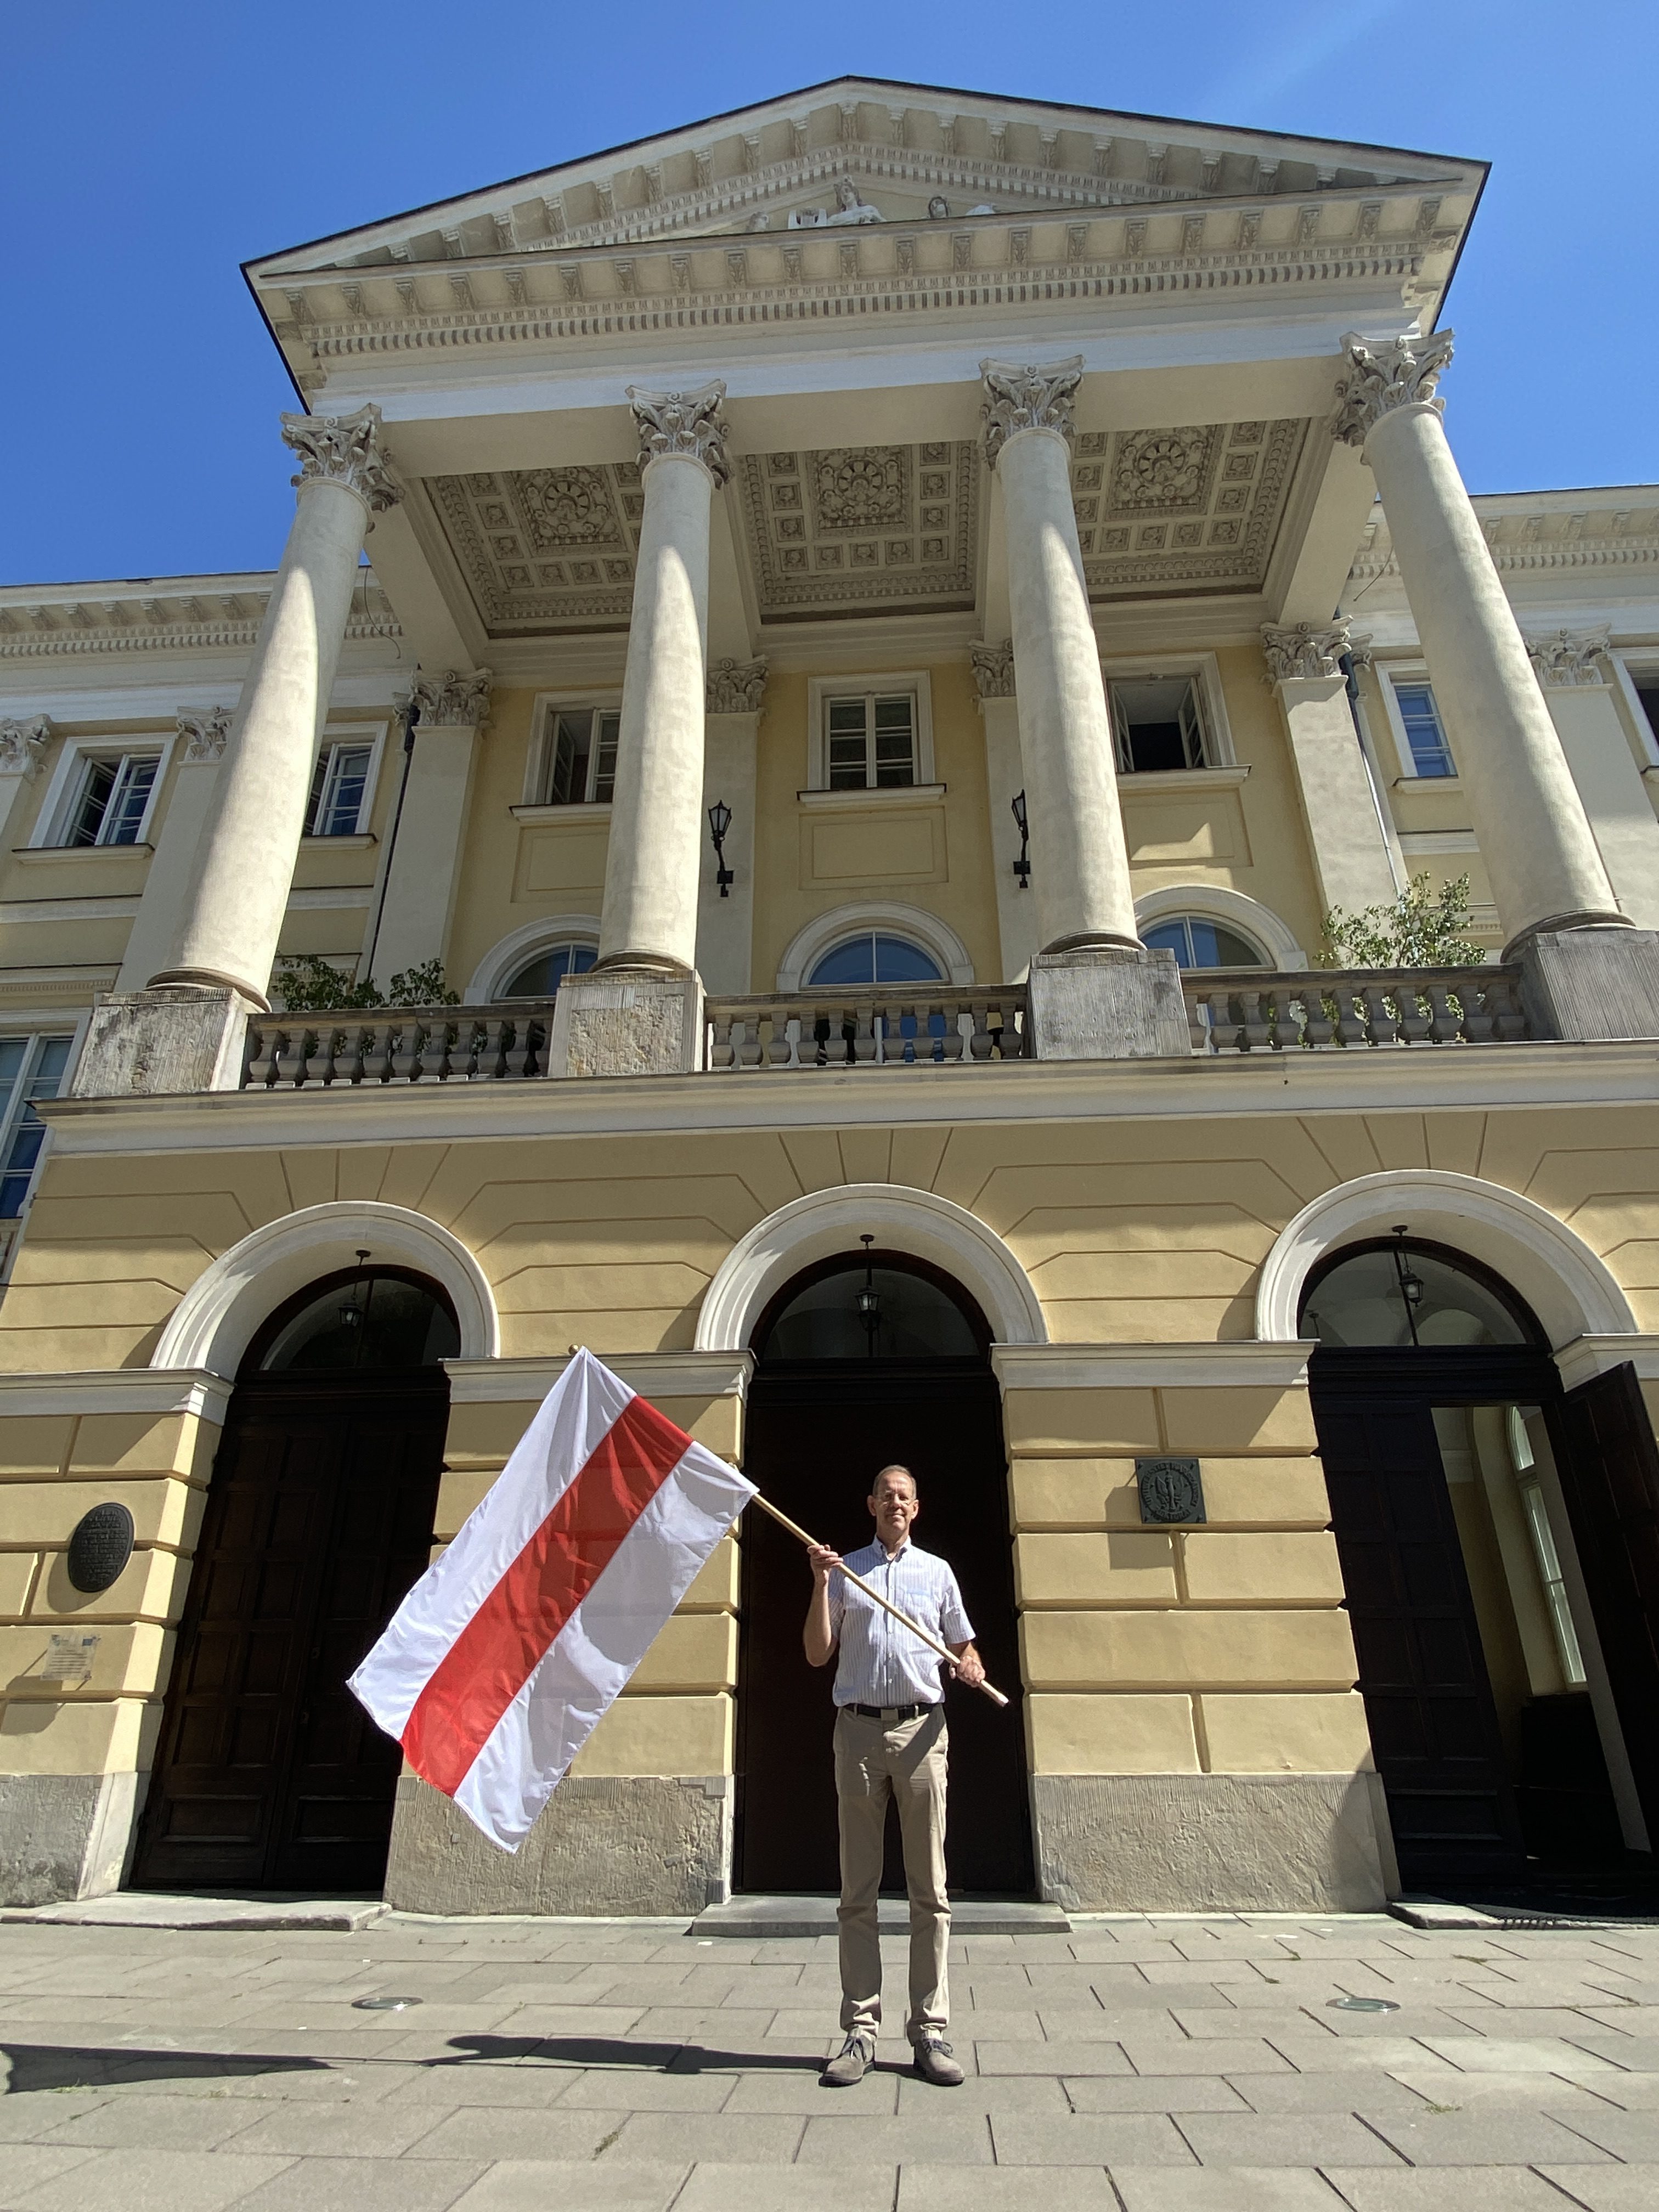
[{"x": 856, "y": 152}]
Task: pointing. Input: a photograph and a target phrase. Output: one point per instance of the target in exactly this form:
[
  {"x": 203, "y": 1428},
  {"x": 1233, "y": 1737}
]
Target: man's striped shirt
[{"x": 880, "y": 1662}]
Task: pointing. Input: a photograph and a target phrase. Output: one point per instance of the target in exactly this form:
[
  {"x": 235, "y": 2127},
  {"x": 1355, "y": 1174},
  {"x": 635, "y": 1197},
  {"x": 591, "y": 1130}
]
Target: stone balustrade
[
  {"x": 1237, "y": 1011},
  {"x": 413, "y": 1044},
  {"x": 1331, "y": 1010},
  {"x": 882, "y": 1026}
]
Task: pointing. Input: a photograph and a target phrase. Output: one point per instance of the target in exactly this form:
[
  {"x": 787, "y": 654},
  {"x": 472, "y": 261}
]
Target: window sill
[
  {"x": 361, "y": 840},
  {"x": 577, "y": 809},
  {"x": 1451, "y": 783},
  {"x": 1182, "y": 779},
  {"x": 887, "y": 794},
  {"x": 34, "y": 852}
]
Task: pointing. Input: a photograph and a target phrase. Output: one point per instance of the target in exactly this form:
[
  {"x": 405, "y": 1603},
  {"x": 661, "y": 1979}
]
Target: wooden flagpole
[{"x": 914, "y": 1626}]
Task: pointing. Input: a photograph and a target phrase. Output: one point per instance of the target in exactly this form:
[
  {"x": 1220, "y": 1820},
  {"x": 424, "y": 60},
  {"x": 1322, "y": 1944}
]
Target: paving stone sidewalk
[{"x": 1160, "y": 2065}]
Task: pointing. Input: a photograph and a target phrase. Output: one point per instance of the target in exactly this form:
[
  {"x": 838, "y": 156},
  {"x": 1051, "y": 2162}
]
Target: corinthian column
[
  {"x": 1545, "y": 872},
  {"x": 649, "y": 920},
  {"x": 1081, "y": 868},
  {"x": 233, "y": 912},
  {"x": 423, "y": 870},
  {"x": 1097, "y": 992}
]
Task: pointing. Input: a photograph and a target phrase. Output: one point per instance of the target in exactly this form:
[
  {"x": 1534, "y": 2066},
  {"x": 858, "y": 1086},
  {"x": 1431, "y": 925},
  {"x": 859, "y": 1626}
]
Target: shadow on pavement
[
  {"x": 617, "y": 2051},
  {"x": 66, "y": 2066}
]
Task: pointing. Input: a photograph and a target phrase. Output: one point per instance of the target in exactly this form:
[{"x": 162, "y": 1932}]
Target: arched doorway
[
  {"x": 319, "y": 1515},
  {"x": 862, "y": 1360},
  {"x": 1454, "y": 1484}
]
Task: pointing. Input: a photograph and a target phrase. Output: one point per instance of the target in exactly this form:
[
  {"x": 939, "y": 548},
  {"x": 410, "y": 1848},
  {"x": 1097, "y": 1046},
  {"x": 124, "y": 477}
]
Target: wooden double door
[
  {"x": 816, "y": 1435},
  {"x": 1423, "y": 1671},
  {"x": 269, "y": 1774}
]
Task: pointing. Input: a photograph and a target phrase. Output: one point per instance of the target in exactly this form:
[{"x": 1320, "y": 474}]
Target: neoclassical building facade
[{"x": 802, "y": 861}]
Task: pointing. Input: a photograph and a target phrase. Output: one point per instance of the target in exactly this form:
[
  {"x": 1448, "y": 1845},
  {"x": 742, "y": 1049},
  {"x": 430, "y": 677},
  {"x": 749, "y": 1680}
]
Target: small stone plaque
[
  {"x": 1170, "y": 1490},
  {"x": 100, "y": 1547},
  {"x": 69, "y": 1659}
]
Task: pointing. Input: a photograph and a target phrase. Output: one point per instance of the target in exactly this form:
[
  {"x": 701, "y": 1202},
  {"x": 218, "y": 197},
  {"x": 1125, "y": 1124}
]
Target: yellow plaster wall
[
  {"x": 52, "y": 1470},
  {"x": 1251, "y": 839},
  {"x": 1213, "y": 1649}
]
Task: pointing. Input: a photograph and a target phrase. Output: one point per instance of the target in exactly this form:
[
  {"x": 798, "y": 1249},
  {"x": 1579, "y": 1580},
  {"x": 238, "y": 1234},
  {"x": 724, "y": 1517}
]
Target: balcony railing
[
  {"x": 1330, "y": 1010},
  {"x": 1238, "y": 1011},
  {"x": 882, "y": 1027},
  {"x": 415, "y": 1045}
]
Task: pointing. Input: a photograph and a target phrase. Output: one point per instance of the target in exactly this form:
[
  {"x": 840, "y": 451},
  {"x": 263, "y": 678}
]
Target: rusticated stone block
[
  {"x": 626, "y": 1024},
  {"x": 1589, "y": 986},
  {"x": 609, "y": 1845},
  {"x": 1207, "y": 1843},
  {"x": 163, "y": 1043},
  {"x": 1108, "y": 1002}
]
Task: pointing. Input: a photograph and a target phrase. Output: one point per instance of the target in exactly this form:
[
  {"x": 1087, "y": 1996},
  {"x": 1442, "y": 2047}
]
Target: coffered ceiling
[{"x": 854, "y": 531}]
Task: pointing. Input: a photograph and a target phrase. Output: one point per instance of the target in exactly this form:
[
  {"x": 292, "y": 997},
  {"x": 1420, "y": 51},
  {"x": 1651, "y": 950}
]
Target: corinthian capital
[
  {"x": 1570, "y": 657},
  {"x": 682, "y": 423},
  {"x": 21, "y": 744},
  {"x": 1028, "y": 398},
  {"x": 1303, "y": 651},
  {"x": 1380, "y": 378},
  {"x": 204, "y": 735},
  {"x": 452, "y": 701},
  {"x": 345, "y": 449},
  {"x": 994, "y": 669},
  {"x": 736, "y": 686}
]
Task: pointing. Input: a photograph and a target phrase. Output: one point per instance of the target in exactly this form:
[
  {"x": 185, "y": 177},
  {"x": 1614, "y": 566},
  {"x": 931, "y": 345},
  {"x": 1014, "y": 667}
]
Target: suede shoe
[
  {"x": 934, "y": 2063},
  {"x": 851, "y": 2063}
]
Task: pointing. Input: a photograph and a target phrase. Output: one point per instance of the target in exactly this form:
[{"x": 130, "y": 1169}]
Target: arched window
[
  {"x": 888, "y": 1307},
  {"x": 1400, "y": 1294},
  {"x": 538, "y": 978},
  {"x": 1198, "y": 942},
  {"x": 362, "y": 1319},
  {"x": 875, "y": 957}
]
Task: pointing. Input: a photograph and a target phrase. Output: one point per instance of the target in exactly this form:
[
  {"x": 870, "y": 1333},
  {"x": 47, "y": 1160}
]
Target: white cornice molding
[
  {"x": 1152, "y": 1366},
  {"x": 653, "y": 1375},
  {"x": 1425, "y": 1079},
  {"x": 1587, "y": 1357},
  {"x": 168, "y": 615},
  {"x": 146, "y": 1390}
]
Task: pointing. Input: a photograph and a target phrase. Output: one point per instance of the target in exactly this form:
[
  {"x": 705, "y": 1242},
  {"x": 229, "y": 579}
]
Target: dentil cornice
[
  {"x": 1380, "y": 380},
  {"x": 22, "y": 744},
  {"x": 171, "y": 615},
  {"x": 452, "y": 701},
  {"x": 994, "y": 669},
  {"x": 205, "y": 735},
  {"x": 687, "y": 423},
  {"x": 345, "y": 449},
  {"x": 1032, "y": 397},
  {"x": 736, "y": 686},
  {"x": 1571, "y": 657},
  {"x": 1303, "y": 651}
]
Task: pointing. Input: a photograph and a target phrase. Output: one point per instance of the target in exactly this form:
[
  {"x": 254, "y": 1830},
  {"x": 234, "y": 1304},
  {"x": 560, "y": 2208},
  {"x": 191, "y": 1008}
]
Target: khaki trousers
[{"x": 905, "y": 1761}]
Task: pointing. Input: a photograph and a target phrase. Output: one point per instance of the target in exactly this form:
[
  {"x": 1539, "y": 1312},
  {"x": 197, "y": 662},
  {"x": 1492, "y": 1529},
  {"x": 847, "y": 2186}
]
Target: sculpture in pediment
[{"x": 851, "y": 207}]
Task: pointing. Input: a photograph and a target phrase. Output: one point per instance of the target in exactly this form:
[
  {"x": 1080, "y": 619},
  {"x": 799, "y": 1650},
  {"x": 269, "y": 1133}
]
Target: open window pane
[
  {"x": 30, "y": 1068},
  {"x": 1424, "y": 734},
  {"x": 337, "y": 784},
  {"x": 1157, "y": 724},
  {"x": 605, "y": 763},
  {"x": 109, "y": 807}
]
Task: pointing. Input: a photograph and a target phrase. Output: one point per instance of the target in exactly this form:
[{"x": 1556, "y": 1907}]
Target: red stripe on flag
[{"x": 494, "y": 1655}]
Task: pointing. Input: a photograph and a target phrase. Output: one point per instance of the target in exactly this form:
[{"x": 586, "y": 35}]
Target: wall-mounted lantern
[
  {"x": 719, "y": 820},
  {"x": 1022, "y": 865}
]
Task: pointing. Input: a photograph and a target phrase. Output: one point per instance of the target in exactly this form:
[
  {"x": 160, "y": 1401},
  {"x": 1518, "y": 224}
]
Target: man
[{"x": 890, "y": 1741}]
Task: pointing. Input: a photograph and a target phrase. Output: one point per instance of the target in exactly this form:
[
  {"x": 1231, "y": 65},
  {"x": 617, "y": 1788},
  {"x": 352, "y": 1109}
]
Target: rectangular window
[
  {"x": 30, "y": 1068},
  {"x": 1647, "y": 690},
  {"x": 581, "y": 757},
  {"x": 1157, "y": 724},
  {"x": 870, "y": 741},
  {"x": 1425, "y": 732},
  {"x": 110, "y": 799},
  {"x": 337, "y": 784}
]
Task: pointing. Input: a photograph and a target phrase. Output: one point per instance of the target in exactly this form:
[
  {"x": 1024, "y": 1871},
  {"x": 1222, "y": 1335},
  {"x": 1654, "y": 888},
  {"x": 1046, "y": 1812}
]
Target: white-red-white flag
[{"x": 498, "y": 1667}]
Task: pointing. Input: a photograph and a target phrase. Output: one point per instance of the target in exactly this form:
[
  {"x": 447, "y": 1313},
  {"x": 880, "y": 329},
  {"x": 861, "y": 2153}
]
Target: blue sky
[{"x": 151, "y": 149}]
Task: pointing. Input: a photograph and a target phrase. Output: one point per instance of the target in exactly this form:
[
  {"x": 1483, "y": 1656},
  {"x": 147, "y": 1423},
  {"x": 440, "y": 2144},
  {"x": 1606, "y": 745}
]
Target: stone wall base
[
  {"x": 1108, "y": 1002},
  {"x": 163, "y": 1042},
  {"x": 1591, "y": 985},
  {"x": 64, "y": 1836},
  {"x": 616, "y": 1023},
  {"x": 610, "y": 1846},
  {"x": 1207, "y": 1843}
]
